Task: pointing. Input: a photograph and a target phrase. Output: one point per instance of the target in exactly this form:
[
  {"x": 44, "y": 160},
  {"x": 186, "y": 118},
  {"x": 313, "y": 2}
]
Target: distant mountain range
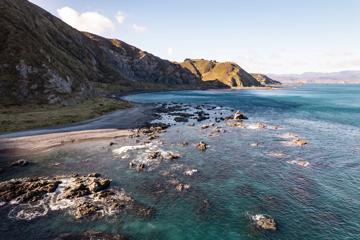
[
  {"x": 318, "y": 77},
  {"x": 44, "y": 60}
]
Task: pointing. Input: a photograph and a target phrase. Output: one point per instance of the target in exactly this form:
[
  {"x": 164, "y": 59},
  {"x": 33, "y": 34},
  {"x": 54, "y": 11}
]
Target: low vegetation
[{"x": 15, "y": 118}]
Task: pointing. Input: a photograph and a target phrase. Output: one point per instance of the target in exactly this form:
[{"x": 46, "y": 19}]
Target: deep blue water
[{"x": 321, "y": 201}]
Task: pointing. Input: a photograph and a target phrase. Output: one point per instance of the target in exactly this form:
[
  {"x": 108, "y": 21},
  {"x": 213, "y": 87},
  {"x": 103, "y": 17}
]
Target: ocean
[{"x": 245, "y": 171}]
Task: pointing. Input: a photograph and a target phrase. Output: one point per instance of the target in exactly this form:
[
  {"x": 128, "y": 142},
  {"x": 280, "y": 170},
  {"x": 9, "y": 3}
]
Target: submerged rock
[
  {"x": 260, "y": 126},
  {"x": 181, "y": 187},
  {"x": 181, "y": 119},
  {"x": 139, "y": 167},
  {"x": 204, "y": 206},
  {"x": 264, "y": 222},
  {"x": 19, "y": 163},
  {"x": 90, "y": 235}
]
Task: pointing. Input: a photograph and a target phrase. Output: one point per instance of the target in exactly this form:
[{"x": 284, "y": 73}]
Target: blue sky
[{"x": 269, "y": 36}]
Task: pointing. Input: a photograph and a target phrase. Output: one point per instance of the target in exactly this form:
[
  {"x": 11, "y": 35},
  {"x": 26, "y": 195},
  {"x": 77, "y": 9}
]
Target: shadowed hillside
[{"x": 44, "y": 60}]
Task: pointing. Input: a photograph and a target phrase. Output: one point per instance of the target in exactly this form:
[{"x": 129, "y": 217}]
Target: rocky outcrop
[
  {"x": 265, "y": 80},
  {"x": 228, "y": 73},
  {"x": 26, "y": 189},
  {"x": 264, "y": 222},
  {"x": 85, "y": 196}
]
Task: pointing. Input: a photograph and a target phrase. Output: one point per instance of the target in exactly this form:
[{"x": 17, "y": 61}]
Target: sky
[{"x": 267, "y": 36}]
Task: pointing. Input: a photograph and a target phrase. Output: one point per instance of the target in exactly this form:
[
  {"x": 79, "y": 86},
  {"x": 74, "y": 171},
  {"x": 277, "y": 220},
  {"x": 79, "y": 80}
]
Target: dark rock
[
  {"x": 145, "y": 212},
  {"x": 90, "y": 235},
  {"x": 204, "y": 206},
  {"x": 140, "y": 167},
  {"x": 154, "y": 155},
  {"x": 96, "y": 175},
  {"x": 239, "y": 116},
  {"x": 85, "y": 209},
  {"x": 181, "y": 119},
  {"x": 83, "y": 186},
  {"x": 26, "y": 189}
]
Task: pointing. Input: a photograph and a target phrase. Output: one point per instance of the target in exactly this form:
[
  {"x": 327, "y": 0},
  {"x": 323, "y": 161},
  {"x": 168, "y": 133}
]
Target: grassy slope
[{"x": 15, "y": 118}]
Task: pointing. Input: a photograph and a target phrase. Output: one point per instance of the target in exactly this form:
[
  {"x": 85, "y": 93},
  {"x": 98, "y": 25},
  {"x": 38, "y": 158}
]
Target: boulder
[
  {"x": 239, "y": 116},
  {"x": 264, "y": 222},
  {"x": 83, "y": 186},
  {"x": 85, "y": 209},
  {"x": 26, "y": 189},
  {"x": 300, "y": 142},
  {"x": 201, "y": 146}
]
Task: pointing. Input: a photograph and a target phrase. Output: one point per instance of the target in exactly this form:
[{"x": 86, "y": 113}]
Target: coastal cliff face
[
  {"x": 44, "y": 60},
  {"x": 228, "y": 73},
  {"x": 265, "y": 80}
]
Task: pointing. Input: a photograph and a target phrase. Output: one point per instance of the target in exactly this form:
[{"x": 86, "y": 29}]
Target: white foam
[
  {"x": 28, "y": 212},
  {"x": 257, "y": 217},
  {"x": 190, "y": 172},
  {"x": 301, "y": 163},
  {"x": 125, "y": 149},
  {"x": 288, "y": 135}
]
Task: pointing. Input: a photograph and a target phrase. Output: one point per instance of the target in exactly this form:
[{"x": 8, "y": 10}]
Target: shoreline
[
  {"x": 38, "y": 143},
  {"x": 59, "y": 120}
]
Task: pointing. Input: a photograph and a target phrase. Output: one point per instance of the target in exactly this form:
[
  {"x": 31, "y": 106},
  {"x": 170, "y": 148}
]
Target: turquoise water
[{"x": 321, "y": 201}]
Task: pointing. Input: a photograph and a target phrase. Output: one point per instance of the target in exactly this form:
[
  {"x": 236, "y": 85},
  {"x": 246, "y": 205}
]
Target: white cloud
[
  {"x": 139, "y": 29},
  {"x": 170, "y": 50},
  {"x": 92, "y": 22},
  {"x": 120, "y": 17}
]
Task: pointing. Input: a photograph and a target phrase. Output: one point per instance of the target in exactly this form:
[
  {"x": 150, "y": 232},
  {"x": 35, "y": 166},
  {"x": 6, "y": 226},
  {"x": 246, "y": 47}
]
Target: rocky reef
[{"x": 86, "y": 197}]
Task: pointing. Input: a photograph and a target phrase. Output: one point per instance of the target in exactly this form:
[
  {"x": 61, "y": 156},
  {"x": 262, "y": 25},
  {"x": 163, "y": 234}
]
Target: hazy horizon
[{"x": 269, "y": 37}]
